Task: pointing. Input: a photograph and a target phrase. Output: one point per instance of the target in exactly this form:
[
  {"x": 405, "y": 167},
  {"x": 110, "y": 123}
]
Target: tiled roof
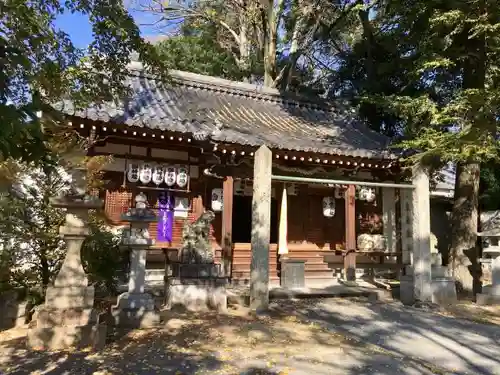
[{"x": 236, "y": 112}]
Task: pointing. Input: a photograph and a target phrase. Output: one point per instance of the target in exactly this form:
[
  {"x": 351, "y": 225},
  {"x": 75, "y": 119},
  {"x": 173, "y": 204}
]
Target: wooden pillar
[
  {"x": 261, "y": 229},
  {"x": 227, "y": 223},
  {"x": 350, "y": 234}
]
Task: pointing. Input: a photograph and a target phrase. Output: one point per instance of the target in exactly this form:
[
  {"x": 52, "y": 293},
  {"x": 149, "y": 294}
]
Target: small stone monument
[
  {"x": 197, "y": 283},
  {"x": 491, "y": 253},
  {"x": 136, "y": 308},
  {"x": 67, "y": 319}
]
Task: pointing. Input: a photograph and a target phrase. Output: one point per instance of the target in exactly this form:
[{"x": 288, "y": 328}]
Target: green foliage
[
  {"x": 41, "y": 65},
  {"x": 199, "y": 54},
  {"x": 103, "y": 260},
  {"x": 32, "y": 250}
]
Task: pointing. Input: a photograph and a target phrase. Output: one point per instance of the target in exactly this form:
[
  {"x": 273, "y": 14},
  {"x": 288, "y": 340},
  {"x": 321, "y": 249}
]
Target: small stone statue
[{"x": 196, "y": 242}]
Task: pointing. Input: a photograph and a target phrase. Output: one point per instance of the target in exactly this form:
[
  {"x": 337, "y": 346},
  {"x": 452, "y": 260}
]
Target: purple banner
[{"x": 165, "y": 218}]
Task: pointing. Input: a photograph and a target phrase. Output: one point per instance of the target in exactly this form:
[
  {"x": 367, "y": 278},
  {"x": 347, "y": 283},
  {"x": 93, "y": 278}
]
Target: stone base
[
  {"x": 67, "y": 337},
  {"x": 197, "y": 294},
  {"x": 135, "y": 310},
  {"x": 406, "y": 290},
  {"x": 485, "y": 299},
  {"x": 46, "y": 317},
  {"x": 135, "y": 318},
  {"x": 69, "y": 297},
  {"x": 439, "y": 272},
  {"x": 444, "y": 290}
]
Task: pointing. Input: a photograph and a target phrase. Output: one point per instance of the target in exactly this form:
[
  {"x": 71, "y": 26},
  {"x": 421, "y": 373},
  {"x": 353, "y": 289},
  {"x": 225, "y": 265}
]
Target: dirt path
[
  {"x": 237, "y": 343},
  {"x": 460, "y": 346}
]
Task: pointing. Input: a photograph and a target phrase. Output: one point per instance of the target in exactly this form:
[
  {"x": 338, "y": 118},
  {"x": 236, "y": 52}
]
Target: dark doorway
[{"x": 242, "y": 219}]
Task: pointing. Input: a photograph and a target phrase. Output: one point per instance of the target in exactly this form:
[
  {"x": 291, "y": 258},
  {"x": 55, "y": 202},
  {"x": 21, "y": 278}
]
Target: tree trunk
[
  {"x": 368, "y": 41},
  {"x": 463, "y": 259},
  {"x": 464, "y": 252},
  {"x": 244, "y": 47},
  {"x": 272, "y": 14}
]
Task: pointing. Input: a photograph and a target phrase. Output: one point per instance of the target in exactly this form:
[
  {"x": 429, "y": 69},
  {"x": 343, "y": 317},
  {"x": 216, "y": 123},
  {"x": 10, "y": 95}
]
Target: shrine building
[{"x": 339, "y": 200}]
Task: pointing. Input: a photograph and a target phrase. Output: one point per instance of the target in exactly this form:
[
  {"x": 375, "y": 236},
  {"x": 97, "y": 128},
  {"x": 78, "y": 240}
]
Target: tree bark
[
  {"x": 463, "y": 259},
  {"x": 464, "y": 252}
]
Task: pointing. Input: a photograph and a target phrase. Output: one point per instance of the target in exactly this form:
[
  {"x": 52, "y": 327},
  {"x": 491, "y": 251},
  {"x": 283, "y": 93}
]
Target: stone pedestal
[
  {"x": 443, "y": 289},
  {"x": 67, "y": 318},
  {"x": 491, "y": 293},
  {"x": 135, "y": 308},
  {"x": 197, "y": 294}
]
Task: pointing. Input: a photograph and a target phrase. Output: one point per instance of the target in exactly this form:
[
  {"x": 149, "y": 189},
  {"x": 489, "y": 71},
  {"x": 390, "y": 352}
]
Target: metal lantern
[
  {"x": 170, "y": 176},
  {"x": 328, "y": 206},
  {"x": 133, "y": 172},
  {"x": 182, "y": 177},
  {"x": 145, "y": 174},
  {"x": 217, "y": 201},
  {"x": 157, "y": 176}
]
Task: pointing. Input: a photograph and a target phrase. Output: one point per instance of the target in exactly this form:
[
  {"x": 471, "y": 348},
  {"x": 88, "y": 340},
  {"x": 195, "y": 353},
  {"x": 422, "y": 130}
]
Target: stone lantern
[
  {"x": 491, "y": 251},
  {"x": 67, "y": 319},
  {"x": 135, "y": 308}
]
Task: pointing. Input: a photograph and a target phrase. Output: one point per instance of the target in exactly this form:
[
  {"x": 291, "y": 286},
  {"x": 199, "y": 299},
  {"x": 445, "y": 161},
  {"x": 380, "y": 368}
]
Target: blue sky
[{"x": 79, "y": 29}]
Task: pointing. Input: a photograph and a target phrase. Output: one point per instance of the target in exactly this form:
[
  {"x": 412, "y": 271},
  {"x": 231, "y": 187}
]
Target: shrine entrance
[{"x": 242, "y": 219}]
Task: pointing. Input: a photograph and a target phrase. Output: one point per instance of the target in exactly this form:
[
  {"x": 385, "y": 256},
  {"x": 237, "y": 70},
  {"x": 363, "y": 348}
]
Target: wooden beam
[
  {"x": 350, "y": 234},
  {"x": 227, "y": 223}
]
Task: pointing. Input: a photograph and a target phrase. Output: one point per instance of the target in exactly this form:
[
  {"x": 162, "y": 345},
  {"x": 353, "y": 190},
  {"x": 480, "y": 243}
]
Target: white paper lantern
[
  {"x": 370, "y": 195},
  {"x": 367, "y": 194},
  {"x": 133, "y": 172},
  {"x": 145, "y": 174},
  {"x": 339, "y": 193},
  {"x": 217, "y": 202},
  {"x": 182, "y": 177},
  {"x": 170, "y": 176},
  {"x": 181, "y": 207},
  {"x": 157, "y": 177},
  {"x": 328, "y": 206},
  {"x": 291, "y": 189}
]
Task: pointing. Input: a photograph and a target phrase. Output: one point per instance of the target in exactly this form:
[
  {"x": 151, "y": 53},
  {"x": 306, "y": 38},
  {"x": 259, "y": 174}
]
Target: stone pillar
[
  {"x": 421, "y": 230},
  {"x": 389, "y": 217},
  {"x": 261, "y": 229},
  {"x": 135, "y": 308},
  {"x": 67, "y": 319},
  {"x": 137, "y": 277},
  {"x": 406, "y": 226}
]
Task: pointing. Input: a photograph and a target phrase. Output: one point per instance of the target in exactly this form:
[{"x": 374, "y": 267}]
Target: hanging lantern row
[
  {"x": 136, "y": 133},
  {"x": 308, "y": 159},
  {"x": 363, "y": 193},
  {"x": 158, "y": 174},
  {"x": 243, "y": 153}
]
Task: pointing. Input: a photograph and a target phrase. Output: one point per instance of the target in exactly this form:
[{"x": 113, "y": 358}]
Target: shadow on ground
[
  {"x": 460, "y": 346},
  {"x": 206, "y": 343}
]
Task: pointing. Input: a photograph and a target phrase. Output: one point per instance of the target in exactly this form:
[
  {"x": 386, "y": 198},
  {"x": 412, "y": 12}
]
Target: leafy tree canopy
[{"x": 41, "y": 65}]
